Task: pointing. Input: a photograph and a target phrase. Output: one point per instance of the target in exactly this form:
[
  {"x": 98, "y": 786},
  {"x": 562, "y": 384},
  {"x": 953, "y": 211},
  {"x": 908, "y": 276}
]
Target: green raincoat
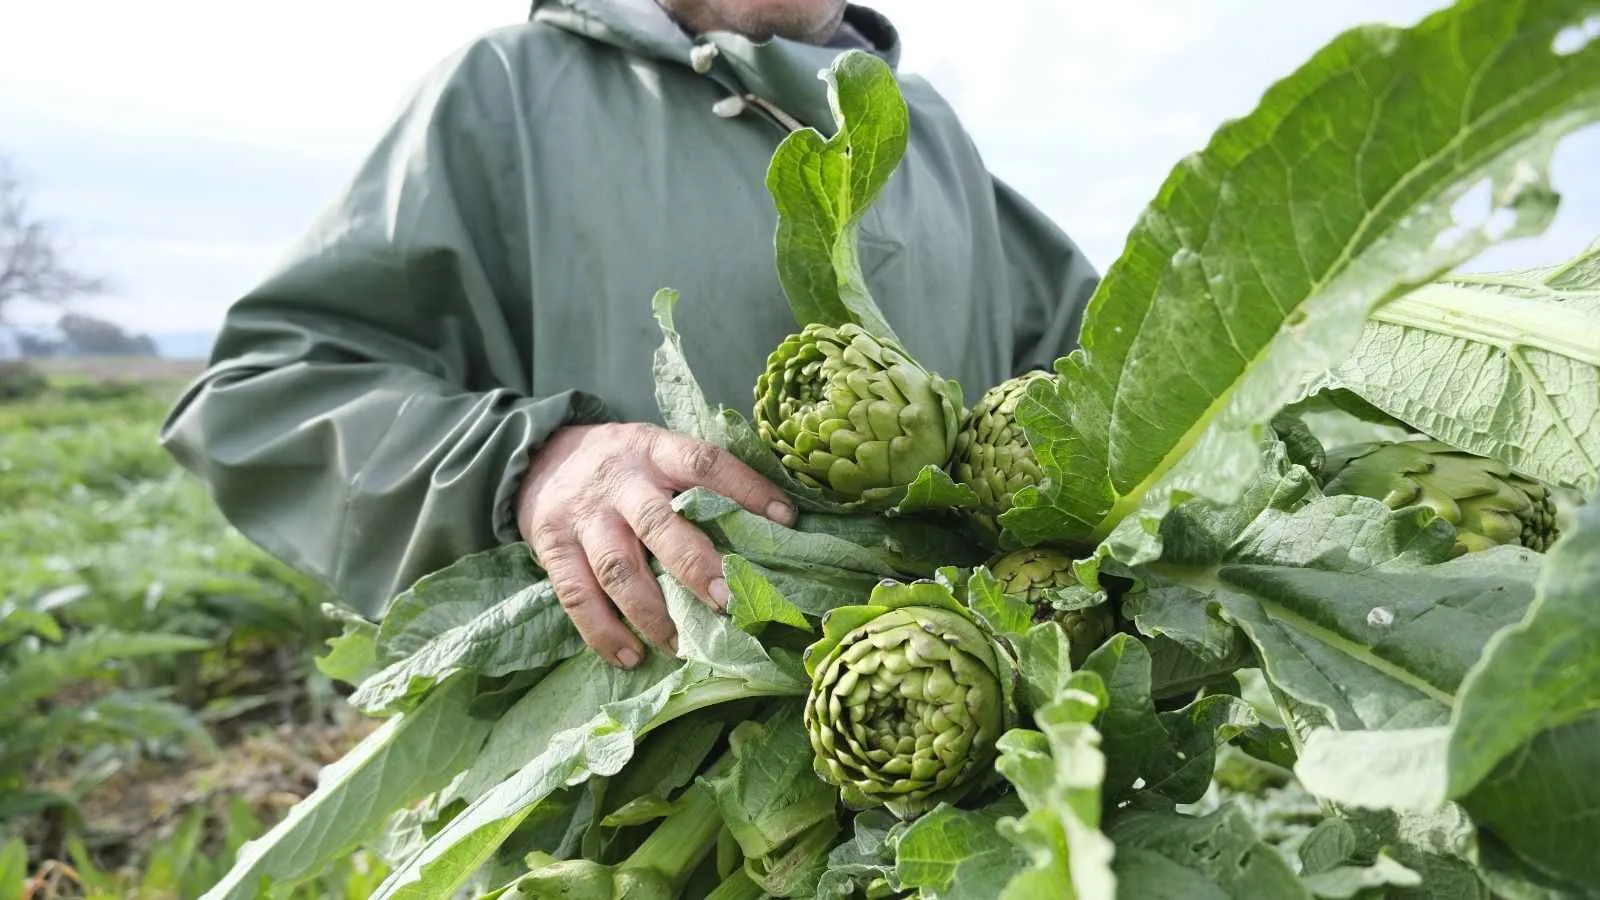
[{"x": 486, "y": 277}]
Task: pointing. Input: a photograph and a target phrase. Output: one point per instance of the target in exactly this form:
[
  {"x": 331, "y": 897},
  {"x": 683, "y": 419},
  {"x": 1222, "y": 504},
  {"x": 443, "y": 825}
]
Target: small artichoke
[
  {"x": 992, "y": 455},
  {"x": 853, "y": 415},
  {"x": 1032, "y": 574},
  {"x": 1488, "y": 504},
  {"x": 908, "y": 696}
]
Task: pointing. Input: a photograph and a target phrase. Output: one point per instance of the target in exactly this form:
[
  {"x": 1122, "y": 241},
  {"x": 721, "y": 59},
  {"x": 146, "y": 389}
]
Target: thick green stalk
[
  {"x": 738, "y": 886},
  {"x": 684, "y": 837},
  {"x": 1496, "y": 319}
]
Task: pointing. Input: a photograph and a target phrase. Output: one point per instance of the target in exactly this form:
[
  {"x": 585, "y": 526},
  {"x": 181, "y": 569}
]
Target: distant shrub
[
  {"x": 102, "y": 390},
  {"x": 20, "y": 380}
]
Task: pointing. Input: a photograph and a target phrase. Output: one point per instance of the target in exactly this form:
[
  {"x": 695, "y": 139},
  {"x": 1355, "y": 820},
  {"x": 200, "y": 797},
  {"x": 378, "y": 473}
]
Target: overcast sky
[{"x": 181, "y": 144}]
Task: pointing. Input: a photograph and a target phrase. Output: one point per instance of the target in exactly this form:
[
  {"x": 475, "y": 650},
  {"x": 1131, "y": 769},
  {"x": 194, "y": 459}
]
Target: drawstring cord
[{"x": 701, "y": 59}]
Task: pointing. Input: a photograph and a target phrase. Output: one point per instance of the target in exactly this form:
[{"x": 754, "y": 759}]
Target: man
[{"x": 458, "y": 354}]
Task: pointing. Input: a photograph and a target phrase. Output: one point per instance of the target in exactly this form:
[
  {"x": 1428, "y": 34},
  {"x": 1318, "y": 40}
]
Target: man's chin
[{"x": 795, "y": 21}]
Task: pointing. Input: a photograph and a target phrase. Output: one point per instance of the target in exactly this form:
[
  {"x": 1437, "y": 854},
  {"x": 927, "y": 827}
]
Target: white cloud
[
  {"x": 298, "y": 73},
  {"x": 1084, "y": 107}
]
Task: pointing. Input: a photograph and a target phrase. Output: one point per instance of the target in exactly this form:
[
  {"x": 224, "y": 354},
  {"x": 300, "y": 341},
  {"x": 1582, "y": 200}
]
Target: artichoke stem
[
  {"x": 686, "y": 836},
  {"x": 737, "y": 886}
]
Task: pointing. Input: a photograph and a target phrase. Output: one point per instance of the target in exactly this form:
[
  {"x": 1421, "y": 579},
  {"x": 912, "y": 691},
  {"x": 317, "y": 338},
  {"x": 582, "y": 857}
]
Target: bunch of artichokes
[
  {"x": 1488, "y": 504},
  {"x": 853, "y": 415},
  {"x": 908, "y": 696}
]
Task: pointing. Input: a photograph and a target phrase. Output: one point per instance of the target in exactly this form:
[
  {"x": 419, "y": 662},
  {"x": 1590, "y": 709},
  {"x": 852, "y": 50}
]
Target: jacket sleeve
[
  {"x": 367, "y": 412},
  {"x": 1053, "y": 282}
]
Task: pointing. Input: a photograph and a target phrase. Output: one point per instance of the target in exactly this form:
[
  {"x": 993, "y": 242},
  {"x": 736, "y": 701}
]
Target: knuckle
[
  {"x": 571, "y": 593},
  {"x": 547, "y": 540},
  {"x": 615, "y": 568},
  {"x": 700, "y": 565},
  {"x": 656, "y": 517},
  {"x": 703, "y": 459},
  {"x": 641, "y": 439},
  {"x": 609, "y": 471}
]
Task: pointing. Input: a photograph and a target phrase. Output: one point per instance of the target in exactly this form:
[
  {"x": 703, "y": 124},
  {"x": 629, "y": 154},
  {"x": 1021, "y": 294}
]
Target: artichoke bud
[
  {"x": 852, "y": 415},
  {"x": 1488, "y": 504},
  {"x": 1033, "y": 575},
  {"x": 992, "y": 455},
  {"x": 1033, "y": 572},
  {"x": 907, "y": 700}
]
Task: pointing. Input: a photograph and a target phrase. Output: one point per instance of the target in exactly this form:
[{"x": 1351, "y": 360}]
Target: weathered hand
[{"x": 597, "y": 496}]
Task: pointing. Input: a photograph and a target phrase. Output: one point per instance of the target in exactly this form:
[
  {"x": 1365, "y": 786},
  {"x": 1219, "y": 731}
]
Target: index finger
[{"x": 686, "y": 462}]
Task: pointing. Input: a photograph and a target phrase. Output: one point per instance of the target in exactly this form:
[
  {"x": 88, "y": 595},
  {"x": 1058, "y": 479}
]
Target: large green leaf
[
  {"x": 1168, "y": 754},
  {"x": 1214, "y": 856},
  {"x": 1506, "y": 365},
  {"x": 1543, "y": 672},
  {"x": 771, "y": 797},
  {"x": 600, "y": 745},
  {"x": 721, "y": 663},
  {"x": 1257, "y": 263},
  {"x": 526, "y": 630},
  {"x": 411, "y": 755},
  {"x": 822, "y": 187},
  {"x": 1058, "y": 771},
  {"x": 454, "y": 596},
  {"x": 566, "y": 698},
  {"x": 1517, "y": 745},
  {"x": 958, "y": 854},
  {"x": 1541, "y": 803}
]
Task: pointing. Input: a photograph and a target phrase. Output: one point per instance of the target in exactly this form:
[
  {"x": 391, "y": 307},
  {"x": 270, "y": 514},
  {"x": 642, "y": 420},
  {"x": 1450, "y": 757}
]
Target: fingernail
[
  {"x": 628, "y": 657},
  {"x": 672, "y": 644},
  {"x": 780, "y": 512},
  {"x": 719, "y": 594}
]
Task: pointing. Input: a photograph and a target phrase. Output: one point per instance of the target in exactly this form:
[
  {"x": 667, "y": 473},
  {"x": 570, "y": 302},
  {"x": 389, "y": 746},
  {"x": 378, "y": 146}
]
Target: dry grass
[{"x": 134, "y": 368}]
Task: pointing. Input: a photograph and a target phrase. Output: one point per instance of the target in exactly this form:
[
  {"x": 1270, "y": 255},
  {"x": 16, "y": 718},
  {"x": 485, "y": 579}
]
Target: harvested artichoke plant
[
  {"x": 1032, "y": 575},
  {"x": 908, "y": 696},
  {"x": 1488, "y": 504},
  {"x": 853, "y": 415},
  {"x": 992, "y": 455}
]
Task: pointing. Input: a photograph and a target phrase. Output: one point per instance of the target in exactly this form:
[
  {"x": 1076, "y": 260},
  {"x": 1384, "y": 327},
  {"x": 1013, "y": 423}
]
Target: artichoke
[
  {"x": 853, "y": 415},
  {"x": 908, "y": 696},
  {"x": 1033, "y": 575},
  {"x": 992, "y": 455},
  {"x": 1488, "y": 504}
]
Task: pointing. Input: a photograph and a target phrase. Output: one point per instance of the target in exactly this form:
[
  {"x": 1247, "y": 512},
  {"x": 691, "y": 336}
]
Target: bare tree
[{"x": 31, "y": 267}]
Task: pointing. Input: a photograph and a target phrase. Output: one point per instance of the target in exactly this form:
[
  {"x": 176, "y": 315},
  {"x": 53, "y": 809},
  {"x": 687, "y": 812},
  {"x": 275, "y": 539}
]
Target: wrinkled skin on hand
[{"x": 598, "y": 498}]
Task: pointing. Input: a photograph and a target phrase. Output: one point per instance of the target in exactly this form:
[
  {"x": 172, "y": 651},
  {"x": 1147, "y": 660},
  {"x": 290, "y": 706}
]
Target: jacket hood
[{"x": 780, "y": 72}]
